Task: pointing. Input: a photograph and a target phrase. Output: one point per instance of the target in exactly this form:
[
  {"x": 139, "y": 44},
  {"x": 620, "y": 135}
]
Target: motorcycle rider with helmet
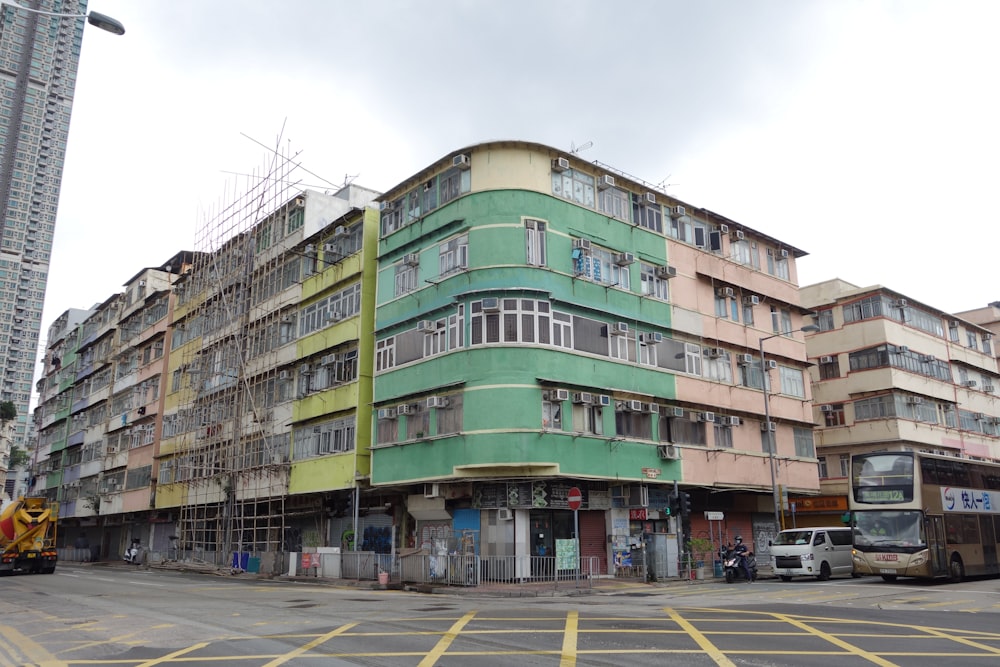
[{"x": 741, "y": 550}]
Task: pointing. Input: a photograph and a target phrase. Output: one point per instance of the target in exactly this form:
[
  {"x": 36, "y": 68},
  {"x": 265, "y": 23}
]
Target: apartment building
[
  {"x": 545, "y": 324},
  {"x": 265, "y": 413},
  {"x": 39, "y": 56},
  {"x": 889, "y": 373}
]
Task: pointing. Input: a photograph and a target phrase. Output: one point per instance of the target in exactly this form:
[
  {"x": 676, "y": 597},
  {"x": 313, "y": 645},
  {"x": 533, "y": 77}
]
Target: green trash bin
[{"x": 718, "y": 568}]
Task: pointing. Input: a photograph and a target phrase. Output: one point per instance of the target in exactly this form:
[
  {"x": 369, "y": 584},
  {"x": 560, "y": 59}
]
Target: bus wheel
[
  {"x": 888, "y": 577},
  {"x": 824, "y": 571},
  {"x": 956, "y": 572}
]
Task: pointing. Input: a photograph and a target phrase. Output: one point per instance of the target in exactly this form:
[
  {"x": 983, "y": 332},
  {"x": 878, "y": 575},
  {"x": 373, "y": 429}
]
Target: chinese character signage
[{"x": 969, "y": 501}]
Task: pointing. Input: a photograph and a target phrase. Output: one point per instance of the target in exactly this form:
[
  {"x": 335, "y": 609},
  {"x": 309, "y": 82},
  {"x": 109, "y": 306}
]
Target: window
[
  {"x": 449, "y": 418},
  {"x": 681, "y": 430},
  {"x": 454, "y": 255},
  {"x": 748, "y": 313},
  {"x": 804, "y": 444},
  {"x": 600, "y": 265},
  {"x": 588, "y": 419},
  {"x": 652, "y": 286},
  {"x": 835, "y": 415},
  {"x": 740, "y": 251},
  {"x": 970, "y": 340},
  {"x": 574, "y": 186},
  {"x": 511, "y": 321},
  {"x": 829, "y": 370},
  {"x": 751, "y": 375},
  {"x": 781, "y": 320},
  {"x": 535, "y": 242},
  {"x": 614, "y": 202},
  {"x": 878, "y": 407},
  {"x": 418, "y": 422},
  {"x": 406, "y": 278},
  {"x": 647, "y": 214},
  {"x": 769, "y": 440},
  {"x": 385, "y": 352},
  {"x": 953, "y": 332},
  {"x": 723, "y": 436},
  {"x": 823, "y": 474},
  {"x": 987, "y": 347},
  {"x": 718, "y": 365},
  {"x": 387, "y": 429},
  {"x": 631, "y": 423},
  {"x": 777, "y": 265},
  {"x": 845, "y": 465},
  {"x": 824, "y": 319},
  {"x": 792, "y": 383},
  {"x": 552, "y": 415}
]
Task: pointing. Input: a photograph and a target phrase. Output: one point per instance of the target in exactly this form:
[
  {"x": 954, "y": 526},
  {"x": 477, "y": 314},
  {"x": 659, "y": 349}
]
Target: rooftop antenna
[
  {"x": 663, "y": 185},
  {"x": 574, "y": 149},
  {"x": 348, "y": 179}
]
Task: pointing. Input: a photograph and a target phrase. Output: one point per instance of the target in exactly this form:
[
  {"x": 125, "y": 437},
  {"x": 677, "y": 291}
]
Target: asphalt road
[{"x": 98, "y": 617}]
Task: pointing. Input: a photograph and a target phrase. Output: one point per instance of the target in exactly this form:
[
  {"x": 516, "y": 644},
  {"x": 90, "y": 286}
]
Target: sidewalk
[{"x": 597, "y": 586}]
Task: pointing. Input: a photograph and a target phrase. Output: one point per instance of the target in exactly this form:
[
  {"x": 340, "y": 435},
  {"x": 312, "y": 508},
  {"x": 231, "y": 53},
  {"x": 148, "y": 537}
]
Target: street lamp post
[
  {"x": 771, "y": 442},
  {"x": 95, "y": 19}
]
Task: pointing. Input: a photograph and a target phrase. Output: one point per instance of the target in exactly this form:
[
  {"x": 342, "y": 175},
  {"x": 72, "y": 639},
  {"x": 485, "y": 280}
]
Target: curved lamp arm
[{"x": 96, "y": 19}]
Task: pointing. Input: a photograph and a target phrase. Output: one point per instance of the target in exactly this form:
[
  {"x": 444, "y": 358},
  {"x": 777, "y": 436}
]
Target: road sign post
[{"x": 575, "y": 499}]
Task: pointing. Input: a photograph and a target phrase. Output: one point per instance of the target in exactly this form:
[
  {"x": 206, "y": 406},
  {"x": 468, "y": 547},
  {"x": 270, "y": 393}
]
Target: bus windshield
[
  {"x": 889, "y": 529},
  {"x": 883, "y": 478}
]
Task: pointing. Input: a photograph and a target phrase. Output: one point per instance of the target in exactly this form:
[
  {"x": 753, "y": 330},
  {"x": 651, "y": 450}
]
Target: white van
[{"x": 818, "y": 552}]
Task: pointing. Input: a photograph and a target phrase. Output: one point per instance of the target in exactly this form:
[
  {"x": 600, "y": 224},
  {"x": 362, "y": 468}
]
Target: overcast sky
[{"x": 865, "y": 133}]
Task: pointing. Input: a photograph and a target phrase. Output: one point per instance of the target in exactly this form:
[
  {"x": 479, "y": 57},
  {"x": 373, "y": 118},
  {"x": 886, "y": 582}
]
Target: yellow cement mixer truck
[{"x": 28, "y": 536}]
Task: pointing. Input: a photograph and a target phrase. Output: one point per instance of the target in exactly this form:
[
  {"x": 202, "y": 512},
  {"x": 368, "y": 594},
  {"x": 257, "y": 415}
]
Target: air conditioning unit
[
  {"x": 328, "y": 360},
  {"x": 462, "y": 161},
  {"x": 738, "y": 235},
  {"x": 969, "y": 383},
  {"x": 405, "y": 409},
  {"x": 675, "y": 411},
  {"x": 979, "y": 416},
  {"x": 581, "y": 244},
  {"x": 340, "y": 230},
  {"x": 716, "y": 352},
  {"x": 725, "y": 292},
  {"x": 305, "y": 369},
  {"x": 411, "y": 259},
  {"x": 783, "y": 253},
  {"x": 707, "y": 417},
  {"x": 900, "y": 303},
  {"x": 605, "y": 182},
  {"x": 619, "y": 328},
  {"x": 768, "y": 426},
  {"x": 651, "y": 338},
  {"x": 621, "y": 491},
  {"x": 723, "y": 229},
  {"x": 426, "y": 326},
  {"x": 142, "y": 283},
  {"x": 491, "y": 305},
  {"x": 744, "y": 359},
  {"x": 902, "y": 349},
  {"x": 650, "y": 197},
  {"x": 505, "y": 514},
  {"x": 826, "y": 408},
  {"x": 387, "y": 413},
  {"x": 953, "y": 324},
  {"x": 679, "y": 211},
  {"x": 300, "y": 202},
  {"x": 826, "y": 360},
  {"x": 583, "y": 397},
  {"x": 666, "y": 272},
  {"x": 668, "y": 452},
  {"x": 772, "y": 364},
  {"x": 604, "y": 400},
  {"x": 751, "y": 300},
  {"x": 651, "y": 408},
  {"x": 557, "y": 395},
  {"x": 284, "y": 375},
  {"x": 731, "y": 421},
  {"x": 624, "y": 258},
  {"x": 437, "y": 402},
  {"x": 432, "y": 490},
  {"x": 914, "y": 400},
  {"x": 988, "y": 388},
  {"x": 386, "y": 206},
  {"x": 288, "y": 319},
  {"x": 330, "y": 247},
  {"x": 634, "y": 406},
  {"x": 334, "y": 316},
  {"x": 560, "y": 164},
  {"x": 927, "y": 358}
]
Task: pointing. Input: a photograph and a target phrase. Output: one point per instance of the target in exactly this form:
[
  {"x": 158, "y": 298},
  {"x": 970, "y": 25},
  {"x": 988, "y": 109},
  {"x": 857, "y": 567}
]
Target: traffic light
[
  {"x": 685, "y": 503},
  {"x": 671, "y": 507}
]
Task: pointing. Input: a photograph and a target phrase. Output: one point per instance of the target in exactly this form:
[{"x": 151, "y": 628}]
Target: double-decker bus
[{"x": 921, "y": 515}]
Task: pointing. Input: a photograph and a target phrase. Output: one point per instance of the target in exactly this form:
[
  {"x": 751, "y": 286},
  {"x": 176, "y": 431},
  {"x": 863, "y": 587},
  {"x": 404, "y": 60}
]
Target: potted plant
[{"x": 700, "y": 549}]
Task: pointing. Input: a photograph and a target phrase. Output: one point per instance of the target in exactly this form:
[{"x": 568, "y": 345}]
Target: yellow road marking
[
  {"x": 445, "y": 641},
  {"x": 19, "y": 646},
  {"x": 710, "y": 649},
  {"x": 309, "y": 646},
  {"x": 946, "y": 603},
  {"x": 170, "y": 656},
  {"x": 836, "y": 641},
  {"x": 569, "y": 640},
  {"x": 961, "y": 640}
]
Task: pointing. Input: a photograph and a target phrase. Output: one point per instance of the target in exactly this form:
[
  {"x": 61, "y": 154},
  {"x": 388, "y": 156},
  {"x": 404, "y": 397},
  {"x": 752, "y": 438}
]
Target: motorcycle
[
  {"x": 133, "y": 552},
  {"x": 732, "y": 562}
]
